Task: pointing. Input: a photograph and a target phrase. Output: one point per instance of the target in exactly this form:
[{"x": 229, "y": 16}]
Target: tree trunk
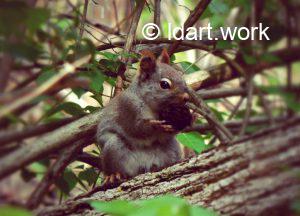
[{"x": 258, "y": 175}]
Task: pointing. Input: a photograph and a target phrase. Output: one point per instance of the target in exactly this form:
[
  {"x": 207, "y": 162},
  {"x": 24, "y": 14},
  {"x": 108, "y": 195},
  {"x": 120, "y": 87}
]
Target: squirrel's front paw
[{"x": 161, "y": 125}]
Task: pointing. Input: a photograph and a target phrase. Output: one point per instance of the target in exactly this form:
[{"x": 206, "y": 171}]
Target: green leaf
[
  {"x": 69, "y": 107},
  {"x": 193, "y": 140},
  {"x": 129, "y": 55},
  {"x": 97, "y": 82},
  {"x": 218, "y": 7},
  {"x": 218, "y": 114},
  {"x": 79, "y": 92},
  {"x": 172, "y": 58},
  {"x": 98, "y": 98},
  {"x": 15, "y": 119},
  {"x": 45, "y": 76},
  {"x": 165, "y": 200},
  {"x": 245, "y": 4},
  {"x": 111, "y": 80},
  {"x": 270, "y": 58},
  {"x": 63, "y": 24},
  {"x": 116, "y": 207},
  {"x": 36, "y": 17},
  {"x": 249, "y": 59},
  {"x": 207, "y": 14},
  {"x": 222, "y": 45},
  {"x": 272, "y": 79},
  {"x": 189, "y": 67},
  {"x": 91, "y": 109},
  {"x": 7, "y": 210},
  {"x": 89, "y": 175},
  {"x": 40, "y": 98},
  {"x": 295, "y": 206},
  {"x": 109, "y": 55},
  {"x": 67, "y": 181},
  {"x": 196, "y": 211},
  {"x": 80, "y": 167},
  {"x": 26, "y": 49},
  {"x": 108, "y": 65},
  {"x": 163, "y": 205},
  {"x": 37, "y": 167},
  {"x": 291, "y": 101},
  {"x": 15, "y": 13},
  {"x": 289, "y": 98}
]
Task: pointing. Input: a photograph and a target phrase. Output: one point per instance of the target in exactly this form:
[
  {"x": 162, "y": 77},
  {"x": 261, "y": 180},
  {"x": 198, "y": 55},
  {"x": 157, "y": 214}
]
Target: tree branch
[
  {"x": 17, "y": 135},
  {"x": 129, "y": 42},
  {"x": 191, "y": 20},
  {"x": 54, "y": 172},
  {"x": 82, "y": 128},
  {"x": 225, "y": 73},
  {"x": 245, "y": 178},
  {"x": 66, "y": 69}
]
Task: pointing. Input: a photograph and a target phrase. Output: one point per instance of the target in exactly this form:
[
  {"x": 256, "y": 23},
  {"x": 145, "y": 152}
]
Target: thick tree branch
[
  {"x": 17, "y": 135},
  {"x": 245, "y": 178},
  {"x": 46, "y": 144}
]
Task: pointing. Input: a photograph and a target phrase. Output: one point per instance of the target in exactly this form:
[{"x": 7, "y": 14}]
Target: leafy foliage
[
  {"x": 14, "y": 211},
  {"x": 193, "y": 140},
  {"x": 164, "y": 205}
]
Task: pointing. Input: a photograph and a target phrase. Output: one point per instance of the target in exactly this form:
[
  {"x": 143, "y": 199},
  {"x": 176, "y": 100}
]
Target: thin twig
[
  {"x": 116, "y": 16},
  {"x": 265, "y": 104},
  {"x": 251, "y": 72},
  {"x": 66, "y": 69},
  {"x": 129, "y": 43},
  {"x": 5, "y": 68},
  {"x": 233, "y": 124},
  {"x": 250, "y": 88},
  {"x": 190, "y": 21},
  {"x": 222, "y": 132},
  {"x": 86, "y": 3},
  {"x": 53, "y": 173},
  {"x": 156, "y": 15}
]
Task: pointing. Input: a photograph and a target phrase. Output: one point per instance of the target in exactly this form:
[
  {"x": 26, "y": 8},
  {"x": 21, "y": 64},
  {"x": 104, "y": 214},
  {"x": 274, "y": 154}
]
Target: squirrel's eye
[{"x": 165, "y": 83}]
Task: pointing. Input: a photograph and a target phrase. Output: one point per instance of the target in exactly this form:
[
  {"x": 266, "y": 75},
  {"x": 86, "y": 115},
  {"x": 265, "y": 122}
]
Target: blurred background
[{"x": 38, "y": 37}]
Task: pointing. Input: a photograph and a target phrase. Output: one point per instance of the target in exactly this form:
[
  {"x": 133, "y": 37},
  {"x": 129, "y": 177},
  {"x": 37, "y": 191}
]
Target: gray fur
[{"x": 129, "y": 145}]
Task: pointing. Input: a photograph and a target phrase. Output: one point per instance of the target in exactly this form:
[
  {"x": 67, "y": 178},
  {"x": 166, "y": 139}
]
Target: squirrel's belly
[
  {"x": 141, "y": 161},
  {"x": 141, "y": 142}
]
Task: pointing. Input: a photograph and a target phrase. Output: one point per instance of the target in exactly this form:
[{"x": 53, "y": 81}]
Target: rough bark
[
  {"x": 48, "y": 143},
  {"x": 253, "y": 176}
]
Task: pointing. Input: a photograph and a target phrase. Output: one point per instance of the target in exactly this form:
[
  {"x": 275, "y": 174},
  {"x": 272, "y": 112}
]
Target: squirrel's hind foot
[{"x": 113, "y": 180}]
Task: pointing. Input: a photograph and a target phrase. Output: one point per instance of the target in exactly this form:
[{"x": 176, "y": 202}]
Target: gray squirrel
[{"x": 133, "y": 139}]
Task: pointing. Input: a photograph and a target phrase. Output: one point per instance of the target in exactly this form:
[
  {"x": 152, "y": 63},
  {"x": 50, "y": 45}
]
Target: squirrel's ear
[
  {"x": 164, "y": 57},
  {"x": 147, "y": 62}
]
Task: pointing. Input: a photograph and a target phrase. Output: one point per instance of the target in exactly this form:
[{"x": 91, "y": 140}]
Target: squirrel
[{"x": 132, "y": 136}]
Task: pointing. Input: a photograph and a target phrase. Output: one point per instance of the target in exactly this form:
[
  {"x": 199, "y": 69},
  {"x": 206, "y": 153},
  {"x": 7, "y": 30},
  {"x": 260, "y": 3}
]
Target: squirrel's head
[{"x": 159, "y": 82}]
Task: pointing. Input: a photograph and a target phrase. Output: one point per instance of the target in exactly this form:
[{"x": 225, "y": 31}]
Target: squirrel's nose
[{"x": 185, "y": 97}]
